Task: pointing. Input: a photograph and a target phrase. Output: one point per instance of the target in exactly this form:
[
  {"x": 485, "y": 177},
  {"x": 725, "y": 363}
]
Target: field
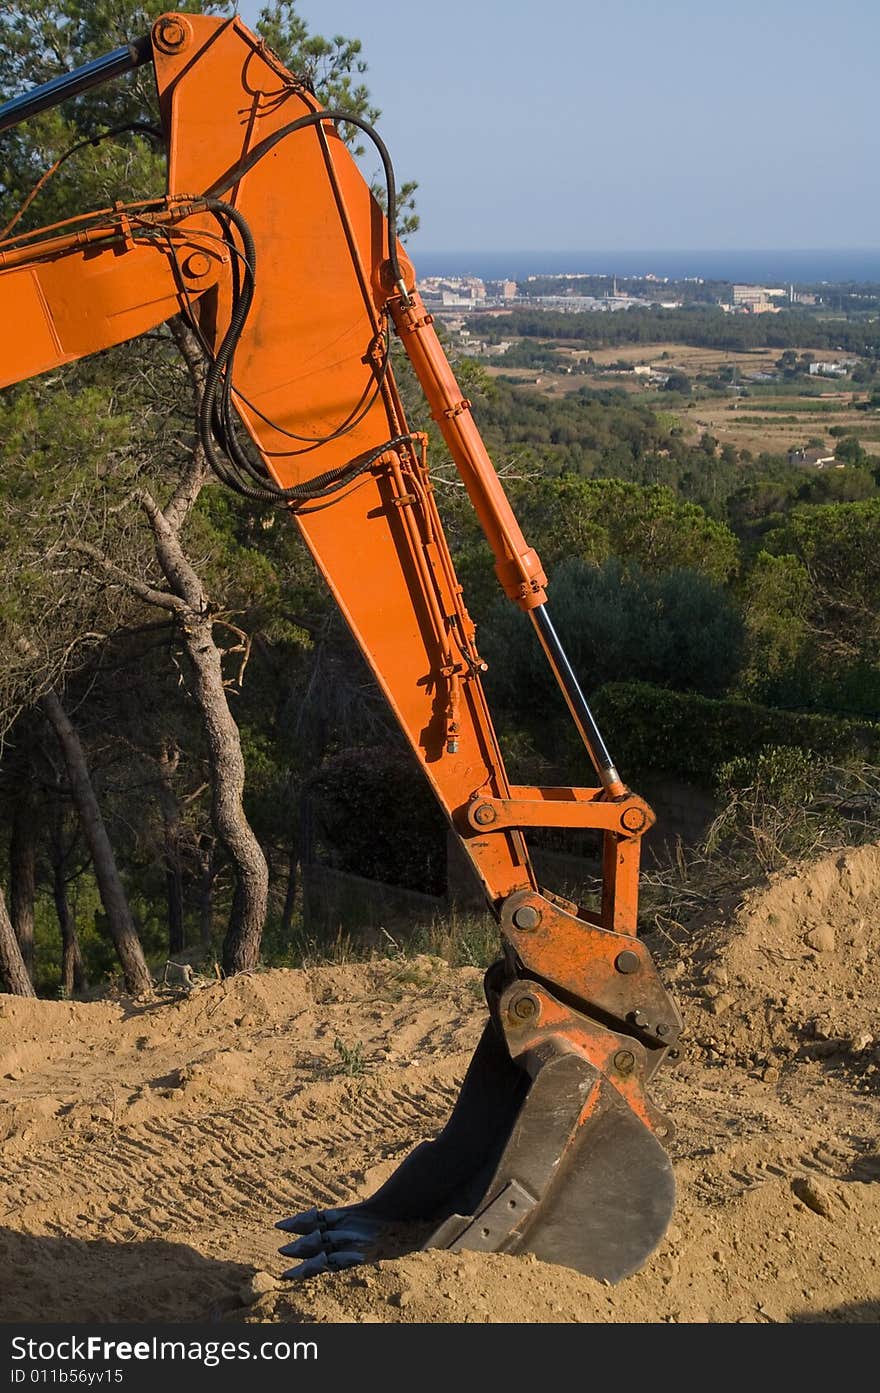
[
  {"x": 149, "y": 1148},
  {"x": 769, "y": 419}
]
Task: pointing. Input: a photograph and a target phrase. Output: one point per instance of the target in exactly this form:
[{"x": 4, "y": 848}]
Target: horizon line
[{"x": 637, "y": 251}]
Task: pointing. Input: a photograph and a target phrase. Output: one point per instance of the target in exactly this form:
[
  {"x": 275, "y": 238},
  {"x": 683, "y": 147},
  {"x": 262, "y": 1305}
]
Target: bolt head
[
  {"x": 526, "y": 917},
  {"x": 627, "y": 961},
  {"x": 633, "y": 820},
  {"x": 170, "y": 33},
  {"x": 484, "y": 814},
  {"x": 197, "y": 264},
  {"x": 525, "y": 1008},
  {"x": 624, "y": 1061}
]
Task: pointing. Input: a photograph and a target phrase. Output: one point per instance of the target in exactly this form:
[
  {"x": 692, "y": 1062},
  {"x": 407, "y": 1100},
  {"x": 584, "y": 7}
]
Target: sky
[{"x": 572, "y": 124}]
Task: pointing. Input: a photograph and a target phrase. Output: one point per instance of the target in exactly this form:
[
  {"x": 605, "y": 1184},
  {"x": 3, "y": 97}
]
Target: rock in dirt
[
  {"x": 813, "y": 1194},
  {"x": 256, "y": 1286},
  {"x": 823, "y": 939}
]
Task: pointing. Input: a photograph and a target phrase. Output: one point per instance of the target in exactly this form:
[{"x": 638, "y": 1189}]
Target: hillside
[{"x": 148, "y": 1149}]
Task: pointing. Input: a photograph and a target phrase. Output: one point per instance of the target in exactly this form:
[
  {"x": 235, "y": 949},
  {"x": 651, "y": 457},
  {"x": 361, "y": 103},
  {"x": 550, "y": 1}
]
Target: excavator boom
[{"x": 271, "y": 245}]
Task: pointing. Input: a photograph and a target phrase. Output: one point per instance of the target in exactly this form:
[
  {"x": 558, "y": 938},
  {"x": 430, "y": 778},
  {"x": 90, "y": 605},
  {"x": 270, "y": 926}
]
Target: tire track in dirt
[{"x": 241, "y": 1165}]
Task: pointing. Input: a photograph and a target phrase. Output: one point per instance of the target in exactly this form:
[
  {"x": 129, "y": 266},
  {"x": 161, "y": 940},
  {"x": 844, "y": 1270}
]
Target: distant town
[{"x": 566, "y": 293}]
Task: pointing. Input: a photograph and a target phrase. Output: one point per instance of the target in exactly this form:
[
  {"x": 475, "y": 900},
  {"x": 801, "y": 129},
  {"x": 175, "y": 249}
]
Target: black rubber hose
[
  {"x": 314, "y": 118},
  {"x": 216, "y": 420}
]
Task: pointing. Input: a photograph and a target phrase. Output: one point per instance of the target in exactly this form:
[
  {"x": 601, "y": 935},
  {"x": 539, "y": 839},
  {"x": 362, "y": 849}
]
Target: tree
[
  {"x": 837, "y": 547},
  {"x": 678, "y": 382},
  {"x": 13, "y": 973},
  {"x": 837, "y": 486},
  {"x": 787, "y": 364},
  {"x": 649, "y": 525},
  {"x": 379, "y": 820},
  {"x": 23, "y": 858},
  {"x": 73, "y": 973},
  {"x": 119, "y": 918},
  {"x": 851, "y": 450},
  {"x": 678, "y": 630},
  {"x": 185, "y": 598},
  {"x": 138, "y": 478},
  {"x": 777, "y": 599},
  {"x": 167, "y": 760}
]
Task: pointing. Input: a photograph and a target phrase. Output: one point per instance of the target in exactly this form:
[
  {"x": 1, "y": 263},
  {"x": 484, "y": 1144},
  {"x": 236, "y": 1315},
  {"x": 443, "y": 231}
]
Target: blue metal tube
[{"x": 60, "y": 89}]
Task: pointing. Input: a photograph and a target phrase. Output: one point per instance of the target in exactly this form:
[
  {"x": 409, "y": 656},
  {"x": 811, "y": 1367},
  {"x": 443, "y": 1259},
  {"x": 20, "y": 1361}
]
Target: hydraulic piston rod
[
  {"x": 61, "y": 89},
  {"x": 577, "y": 702}
]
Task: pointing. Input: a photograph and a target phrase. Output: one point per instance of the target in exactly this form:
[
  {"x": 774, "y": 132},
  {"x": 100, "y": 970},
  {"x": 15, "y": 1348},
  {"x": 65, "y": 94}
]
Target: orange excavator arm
[{"x": 270, "y": 243}]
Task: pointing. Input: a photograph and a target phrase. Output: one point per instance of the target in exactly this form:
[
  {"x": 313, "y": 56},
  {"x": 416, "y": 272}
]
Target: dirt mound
[
  {"x": 795, "y": 973},
  {"x": 66, "y": 1065},
  {"x": 148, "y": 1149},
  {"x": 745, "y": 1264}
]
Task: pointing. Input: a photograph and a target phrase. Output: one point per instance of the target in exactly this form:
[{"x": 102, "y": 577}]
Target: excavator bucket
[{"x": 545, "y": 1152}]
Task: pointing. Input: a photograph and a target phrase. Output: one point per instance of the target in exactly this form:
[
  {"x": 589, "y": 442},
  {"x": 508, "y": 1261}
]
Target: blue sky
[{"x": 560, "y": 125}]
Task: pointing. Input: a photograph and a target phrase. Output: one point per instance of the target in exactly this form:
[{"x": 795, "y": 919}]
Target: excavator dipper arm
[{"x": 272, "y": 246}]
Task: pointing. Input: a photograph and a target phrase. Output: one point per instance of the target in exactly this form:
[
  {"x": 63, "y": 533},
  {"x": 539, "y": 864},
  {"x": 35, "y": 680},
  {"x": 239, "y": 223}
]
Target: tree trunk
[
  {"x": 186, "y": 599},
  {"x": 119, "y": 921},
  {"x": 22, "y": 869},
  {"x": 241, "y": 946},
  {"x": 13, "y": 973},
  {"x": 174, "y": 899},
  {"x": 168, "y": 760},
  {"x": 73, "y": 972},
  {"x": 290, "y": 895},
  {"x": 206, "y": 897}
]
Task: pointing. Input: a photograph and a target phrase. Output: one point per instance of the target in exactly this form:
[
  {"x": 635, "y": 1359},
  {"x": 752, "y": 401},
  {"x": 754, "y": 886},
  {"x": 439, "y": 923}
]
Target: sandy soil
[{"x": 148, "y": 1149}]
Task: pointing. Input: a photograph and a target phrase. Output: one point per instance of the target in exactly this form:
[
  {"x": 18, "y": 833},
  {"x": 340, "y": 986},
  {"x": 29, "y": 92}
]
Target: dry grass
[
  {"x": 775, "y": 424},
  {"x": 759, "y": 830},
  {"x": 462, "y": 939}
]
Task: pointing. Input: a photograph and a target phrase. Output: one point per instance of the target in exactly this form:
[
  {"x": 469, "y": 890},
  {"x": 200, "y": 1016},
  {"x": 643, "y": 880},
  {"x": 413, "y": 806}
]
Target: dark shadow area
[
  {"x": 851, "y": 1313},
  {"x": 132, "y": 1008},
  {"x": 838, "y": 1059},
  {"x": 865, "y": 1167},
  {"x": 72, "y": 1279}
]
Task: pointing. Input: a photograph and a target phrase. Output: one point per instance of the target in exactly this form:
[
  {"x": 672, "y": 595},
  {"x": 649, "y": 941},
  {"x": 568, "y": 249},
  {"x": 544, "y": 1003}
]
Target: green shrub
[
  {"x": 680, "y": 629},
  {"x": 652, "y": 729},
  {"x": 780, "y": 804}
]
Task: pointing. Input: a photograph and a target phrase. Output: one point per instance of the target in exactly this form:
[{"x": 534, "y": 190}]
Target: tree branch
[
  {"x": 195, "y": 474},
  {"x": 161, "y": 598},
  {"x": 178, "y": 571}
]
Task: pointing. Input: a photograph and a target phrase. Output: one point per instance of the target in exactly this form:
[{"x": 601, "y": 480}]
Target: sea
[{"x": 746, "y": 267}]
